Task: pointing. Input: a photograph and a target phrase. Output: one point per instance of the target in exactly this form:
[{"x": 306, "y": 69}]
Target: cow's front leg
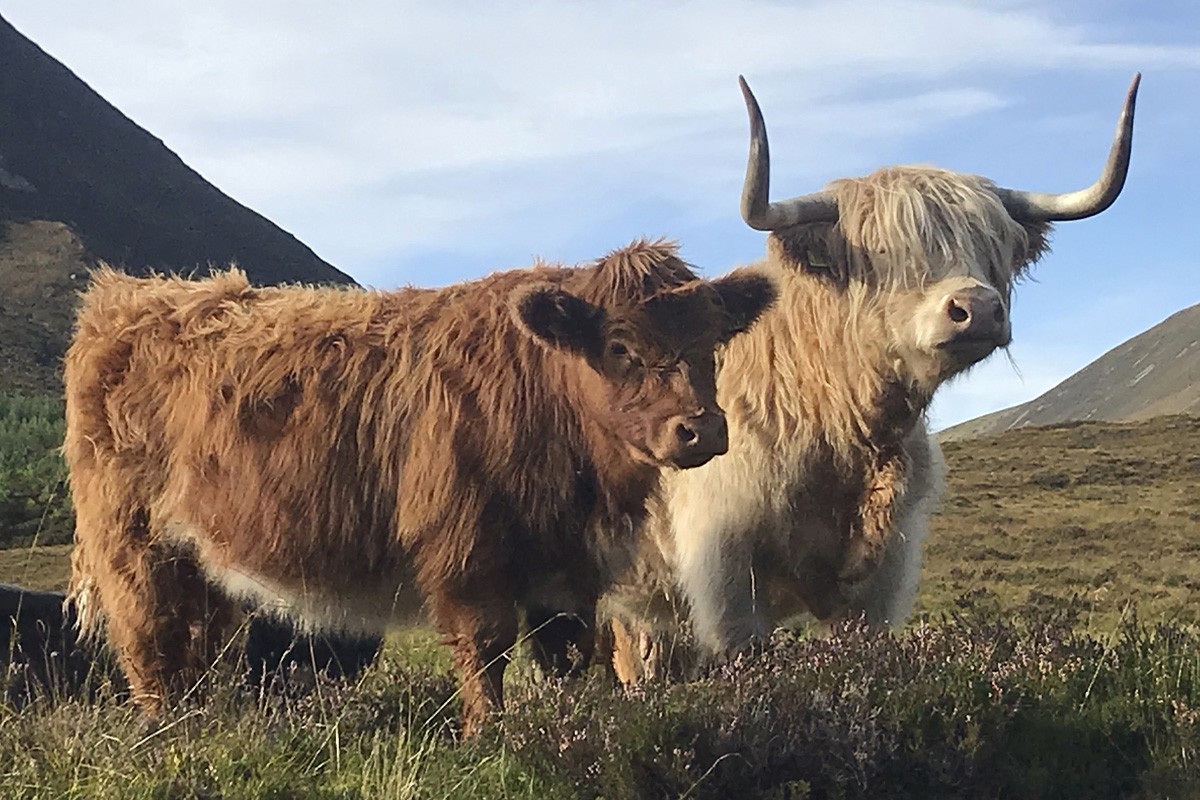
[
  {"x": 482, "y": 631},
  {"x": 639, "y": 654},
  {"x": 716, "y": 574}
]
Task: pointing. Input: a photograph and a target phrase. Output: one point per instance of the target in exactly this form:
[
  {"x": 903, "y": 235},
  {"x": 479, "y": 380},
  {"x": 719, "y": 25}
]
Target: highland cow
[
  {"x": 357, "y": 460},
  {"x": 889, "y": 285}
]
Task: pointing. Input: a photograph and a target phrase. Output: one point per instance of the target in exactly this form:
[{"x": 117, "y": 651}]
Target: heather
[
  {"x": 971, "y": 704},
  {"x": 1055, "y": 655}
]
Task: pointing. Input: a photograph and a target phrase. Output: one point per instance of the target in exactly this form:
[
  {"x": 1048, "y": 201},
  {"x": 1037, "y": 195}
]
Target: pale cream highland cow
[{"x": 889, "y": 285}]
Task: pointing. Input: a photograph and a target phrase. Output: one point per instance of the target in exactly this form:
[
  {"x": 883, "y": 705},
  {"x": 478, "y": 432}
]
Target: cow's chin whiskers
[
  {"x": 931, "y": 366},
  {"x": 690, "y": 461},
  {"x": 961, "y": 363}
]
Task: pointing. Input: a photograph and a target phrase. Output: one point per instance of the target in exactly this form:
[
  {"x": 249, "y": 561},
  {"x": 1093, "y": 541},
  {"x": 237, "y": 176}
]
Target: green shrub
[{"x": 34, "y": 501}]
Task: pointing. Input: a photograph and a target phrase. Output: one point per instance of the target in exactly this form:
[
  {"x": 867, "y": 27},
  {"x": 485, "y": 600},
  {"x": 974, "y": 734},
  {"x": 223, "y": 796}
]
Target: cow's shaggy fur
[
  {"x": 822, "y": 502},
  {"x": 355, "y": 459}
]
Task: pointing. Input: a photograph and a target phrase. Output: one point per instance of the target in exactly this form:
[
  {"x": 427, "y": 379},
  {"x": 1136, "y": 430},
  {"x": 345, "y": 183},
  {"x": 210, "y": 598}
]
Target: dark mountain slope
[{"x": 80, "y": 182}]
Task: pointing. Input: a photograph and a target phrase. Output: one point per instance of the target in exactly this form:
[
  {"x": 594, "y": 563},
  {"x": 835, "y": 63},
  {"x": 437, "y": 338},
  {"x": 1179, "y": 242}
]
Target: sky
[{"x": 429, "y": 142}]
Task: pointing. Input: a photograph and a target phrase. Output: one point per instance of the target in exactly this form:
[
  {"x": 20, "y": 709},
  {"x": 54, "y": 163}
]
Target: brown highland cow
[{"x": 358, "y": 460}]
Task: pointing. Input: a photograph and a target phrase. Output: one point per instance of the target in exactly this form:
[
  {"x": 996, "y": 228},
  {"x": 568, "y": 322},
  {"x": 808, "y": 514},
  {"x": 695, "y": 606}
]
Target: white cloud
[
  {"x": 299, "y": 108},
  {"x": 379, "y": 132}
]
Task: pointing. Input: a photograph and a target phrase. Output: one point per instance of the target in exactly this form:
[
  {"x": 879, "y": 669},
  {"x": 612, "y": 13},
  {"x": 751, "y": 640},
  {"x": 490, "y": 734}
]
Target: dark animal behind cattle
[
  {"x": 278, "y": 655},
  {"x": 38, "y": 650}
]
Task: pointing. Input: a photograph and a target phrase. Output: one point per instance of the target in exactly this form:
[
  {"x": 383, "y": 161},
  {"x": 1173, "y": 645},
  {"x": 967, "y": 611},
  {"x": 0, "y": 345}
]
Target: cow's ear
[
  {"x": 559, "y": 319},
  {"x": 745, "y": 296}
]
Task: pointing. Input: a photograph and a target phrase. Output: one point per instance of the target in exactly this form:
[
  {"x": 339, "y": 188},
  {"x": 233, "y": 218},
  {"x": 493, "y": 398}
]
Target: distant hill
[
  {"x": 1106, "y": 512},
  {"x": 1156, "y": 372},
  {"x": 80, "y": 182}
]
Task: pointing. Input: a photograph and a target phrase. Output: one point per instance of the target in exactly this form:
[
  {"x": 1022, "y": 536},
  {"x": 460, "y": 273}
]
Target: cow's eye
[{"x": 623, "y": 358}]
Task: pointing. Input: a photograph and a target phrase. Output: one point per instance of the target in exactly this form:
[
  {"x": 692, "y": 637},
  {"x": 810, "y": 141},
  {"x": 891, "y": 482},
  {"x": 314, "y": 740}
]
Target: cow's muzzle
[
  {"x": 976, "y": 322},
  {"x": 698, "y": 438}
]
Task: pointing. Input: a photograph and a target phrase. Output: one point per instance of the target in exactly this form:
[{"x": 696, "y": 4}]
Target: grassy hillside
[
  {"x": 43, "y": 265},
  {"x": 1106, "y": 512},
  {"x": 44, "y": 567},
  {"x": 1027, "y": 675}
]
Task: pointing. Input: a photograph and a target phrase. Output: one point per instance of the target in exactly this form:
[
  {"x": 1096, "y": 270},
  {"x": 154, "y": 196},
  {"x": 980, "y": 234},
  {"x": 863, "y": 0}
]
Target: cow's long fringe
[{"x": 905, "y": 227}]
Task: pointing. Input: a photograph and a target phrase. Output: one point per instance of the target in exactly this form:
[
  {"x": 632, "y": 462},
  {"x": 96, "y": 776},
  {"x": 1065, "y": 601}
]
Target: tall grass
[{"x": 970, "y": 705}]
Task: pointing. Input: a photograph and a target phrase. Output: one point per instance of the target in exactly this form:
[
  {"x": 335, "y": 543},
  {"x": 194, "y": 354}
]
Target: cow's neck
[{"x": 817, "y": 368}]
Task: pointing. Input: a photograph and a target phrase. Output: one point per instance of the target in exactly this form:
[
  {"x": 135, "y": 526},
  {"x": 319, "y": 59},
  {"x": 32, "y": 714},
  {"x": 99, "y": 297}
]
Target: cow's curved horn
[
  {"x": 1035, "y": 207},
  {"x": 757, "y": 209}
]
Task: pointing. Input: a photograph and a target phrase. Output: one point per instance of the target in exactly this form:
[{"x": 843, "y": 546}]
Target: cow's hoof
[{"x": 746, "y": 649}]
